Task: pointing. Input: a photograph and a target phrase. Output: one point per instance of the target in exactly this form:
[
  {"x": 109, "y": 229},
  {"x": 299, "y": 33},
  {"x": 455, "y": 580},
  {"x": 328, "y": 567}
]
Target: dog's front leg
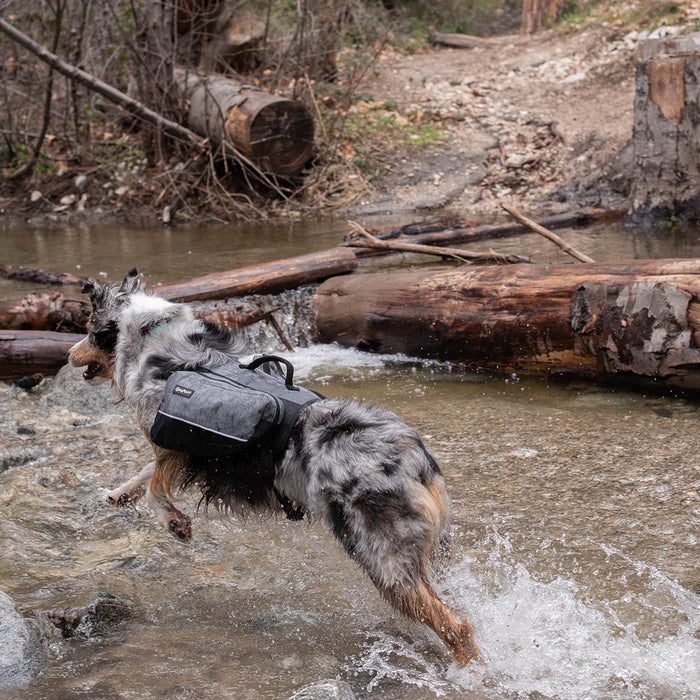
[
  {"x": 168, "y": 469},
  {"x": 132, "y": 490}
]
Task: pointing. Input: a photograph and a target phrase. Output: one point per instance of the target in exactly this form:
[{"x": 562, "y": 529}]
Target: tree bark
[
  {"x": 609, "y": 320},
  {"x": 267, "y": 278},
  {"x": 666, "y": 176},
  {"x": 24, "y": 352},
  {"x": 274, "y": 132}
]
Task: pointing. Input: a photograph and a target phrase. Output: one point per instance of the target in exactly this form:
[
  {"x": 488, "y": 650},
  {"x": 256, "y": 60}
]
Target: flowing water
[{"x": 575, "y": 517}]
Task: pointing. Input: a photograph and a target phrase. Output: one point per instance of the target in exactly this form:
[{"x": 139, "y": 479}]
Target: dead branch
[
  {"x": 369, "y": 241},
  {"x": 570, "y": 250}
]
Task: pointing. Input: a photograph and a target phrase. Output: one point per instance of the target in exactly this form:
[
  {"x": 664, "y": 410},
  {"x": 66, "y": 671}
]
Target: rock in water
[
  {"x": 325, "y": 690},
  {"x": 22, "y": 657}
]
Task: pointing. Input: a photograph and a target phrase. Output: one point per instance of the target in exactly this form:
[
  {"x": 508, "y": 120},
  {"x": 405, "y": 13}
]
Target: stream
[{"x": 575, "y": 518}]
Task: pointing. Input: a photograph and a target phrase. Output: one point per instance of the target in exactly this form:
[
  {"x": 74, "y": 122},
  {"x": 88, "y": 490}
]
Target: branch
[
  {"x": 107, "y": 91},
  {"x": 369, "y": 241},
  {"x": 581, "y": 257}
]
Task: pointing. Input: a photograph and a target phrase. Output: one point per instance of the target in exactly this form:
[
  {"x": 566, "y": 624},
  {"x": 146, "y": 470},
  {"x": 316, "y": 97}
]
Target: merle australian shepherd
[{"x": 358, "y": 468}]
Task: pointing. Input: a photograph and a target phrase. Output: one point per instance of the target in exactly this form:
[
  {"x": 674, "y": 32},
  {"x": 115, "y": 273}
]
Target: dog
[{"x": 356, "y": 467}]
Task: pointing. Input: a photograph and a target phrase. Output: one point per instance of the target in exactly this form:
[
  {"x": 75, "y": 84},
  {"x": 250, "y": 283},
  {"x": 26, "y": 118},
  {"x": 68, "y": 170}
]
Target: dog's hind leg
[{"x": 132, "y": 490}]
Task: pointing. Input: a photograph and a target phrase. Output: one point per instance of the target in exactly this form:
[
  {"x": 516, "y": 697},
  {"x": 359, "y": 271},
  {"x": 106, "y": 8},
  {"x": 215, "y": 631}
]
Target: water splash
[{"x": 553, "y": 638}]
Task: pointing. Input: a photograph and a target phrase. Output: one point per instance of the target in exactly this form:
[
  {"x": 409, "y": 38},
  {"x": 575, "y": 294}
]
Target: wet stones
[{"x": 22, "y": 657}]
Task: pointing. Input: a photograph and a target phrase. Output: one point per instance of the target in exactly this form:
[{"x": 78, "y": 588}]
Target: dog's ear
[
  {"x": 94, "y": 290},
  {"x": 132, "y": 283}
]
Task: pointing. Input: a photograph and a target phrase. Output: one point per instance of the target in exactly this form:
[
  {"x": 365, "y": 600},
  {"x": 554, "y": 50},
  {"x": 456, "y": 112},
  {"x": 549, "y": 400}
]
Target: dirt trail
[{"x": 540, "y": 123}]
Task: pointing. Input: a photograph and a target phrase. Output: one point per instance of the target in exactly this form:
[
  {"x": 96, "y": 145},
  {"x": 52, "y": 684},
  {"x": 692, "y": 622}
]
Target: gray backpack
[{"x": 215, "y": 412}]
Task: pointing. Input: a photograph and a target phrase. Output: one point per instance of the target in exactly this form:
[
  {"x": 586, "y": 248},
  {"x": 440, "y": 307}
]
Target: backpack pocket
[{"x": 208, "y": 414}]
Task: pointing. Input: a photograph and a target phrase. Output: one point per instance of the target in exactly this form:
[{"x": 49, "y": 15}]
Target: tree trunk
[
  {"x": 639, "y": 318},
  {"x": 267, "y": 278},
  {"x": 537, "y": 14},
  {"x": 274, "y": 132},
  {"x": 666, "y": 178},
  {"x": 24, "y": 352}
]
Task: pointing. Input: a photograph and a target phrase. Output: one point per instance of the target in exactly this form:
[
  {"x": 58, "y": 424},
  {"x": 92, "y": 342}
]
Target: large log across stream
[{"x": 635, "y": 319}]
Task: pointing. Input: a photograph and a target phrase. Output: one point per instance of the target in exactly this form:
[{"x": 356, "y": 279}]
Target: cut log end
[{"x": 279, "y": 136}]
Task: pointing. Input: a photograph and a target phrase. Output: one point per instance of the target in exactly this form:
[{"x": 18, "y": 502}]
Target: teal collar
[{"x": 155, "y": 330}]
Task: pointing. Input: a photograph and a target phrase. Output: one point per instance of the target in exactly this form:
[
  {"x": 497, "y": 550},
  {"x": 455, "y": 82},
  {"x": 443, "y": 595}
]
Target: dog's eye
[{"x": 106, "y": 339}]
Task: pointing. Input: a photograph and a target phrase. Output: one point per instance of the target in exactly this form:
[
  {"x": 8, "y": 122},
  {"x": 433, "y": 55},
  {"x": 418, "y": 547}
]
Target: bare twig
[
  {"x": 367, "y": 240},
  {"x": 570, "y": 250}
]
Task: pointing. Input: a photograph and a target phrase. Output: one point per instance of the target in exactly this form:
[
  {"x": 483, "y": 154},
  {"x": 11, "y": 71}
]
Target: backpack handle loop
[{"x": 288, "y": 380}]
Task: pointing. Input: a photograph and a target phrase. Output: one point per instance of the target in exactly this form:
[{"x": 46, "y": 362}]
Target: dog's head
[{"x": 96, "y": 351}]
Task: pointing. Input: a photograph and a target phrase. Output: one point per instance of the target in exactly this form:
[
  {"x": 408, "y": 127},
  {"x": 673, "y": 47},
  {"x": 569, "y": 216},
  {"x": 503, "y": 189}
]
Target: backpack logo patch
[{"x": 183, "y": 391}]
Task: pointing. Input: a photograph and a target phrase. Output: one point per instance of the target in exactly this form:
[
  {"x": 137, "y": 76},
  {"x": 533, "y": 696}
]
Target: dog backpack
[{"x": 215, "y": 412}]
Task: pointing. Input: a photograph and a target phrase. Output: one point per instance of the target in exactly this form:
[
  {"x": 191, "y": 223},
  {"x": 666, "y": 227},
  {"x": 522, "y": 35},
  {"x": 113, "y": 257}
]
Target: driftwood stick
[
  {"x": 570, "y": 250},
  {"x": 369, "y": 241}
]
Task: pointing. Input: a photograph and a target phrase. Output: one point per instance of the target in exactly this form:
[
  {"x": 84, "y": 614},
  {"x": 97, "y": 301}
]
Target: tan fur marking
[
  {"x": 170, "y": 471},
  {"x": 84, "y": 352},
  {"x": 423, "y": 605}
]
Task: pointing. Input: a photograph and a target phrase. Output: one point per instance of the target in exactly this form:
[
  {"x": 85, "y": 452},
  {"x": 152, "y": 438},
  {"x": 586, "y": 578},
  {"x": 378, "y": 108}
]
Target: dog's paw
[
  {"x": 120, "y": 498},
  {"x": 180, "y": 526}
]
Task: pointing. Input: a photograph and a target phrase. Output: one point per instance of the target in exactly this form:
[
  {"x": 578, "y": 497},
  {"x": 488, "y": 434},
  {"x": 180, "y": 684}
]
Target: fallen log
[
  {"x": 637, "y": 319},
  {"x": 26, "y": 352},
  {"x": 274, "y": 132},
  {"x": 363, "y": 239},
  {"x": 267, "y": 278},
  {"x": 45, "y": 312},
  {"x": 33, "y": 274},
  {"x": 464, "y": 41}
]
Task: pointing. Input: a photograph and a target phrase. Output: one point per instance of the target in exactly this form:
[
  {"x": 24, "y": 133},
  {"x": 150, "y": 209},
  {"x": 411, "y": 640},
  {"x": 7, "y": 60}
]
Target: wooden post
[{"x": 666, "y": 179}]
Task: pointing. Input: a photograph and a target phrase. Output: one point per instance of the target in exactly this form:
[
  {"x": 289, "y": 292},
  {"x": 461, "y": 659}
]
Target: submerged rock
[
  {"x": 325, "y": 690},
  {"x": 22, "y": 656},
  {"x": 89, "y": 621}
]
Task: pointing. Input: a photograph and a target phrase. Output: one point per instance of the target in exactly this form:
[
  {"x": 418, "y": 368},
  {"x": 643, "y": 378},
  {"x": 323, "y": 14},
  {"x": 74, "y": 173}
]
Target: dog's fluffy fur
[{"x": 358, "y": 468}]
